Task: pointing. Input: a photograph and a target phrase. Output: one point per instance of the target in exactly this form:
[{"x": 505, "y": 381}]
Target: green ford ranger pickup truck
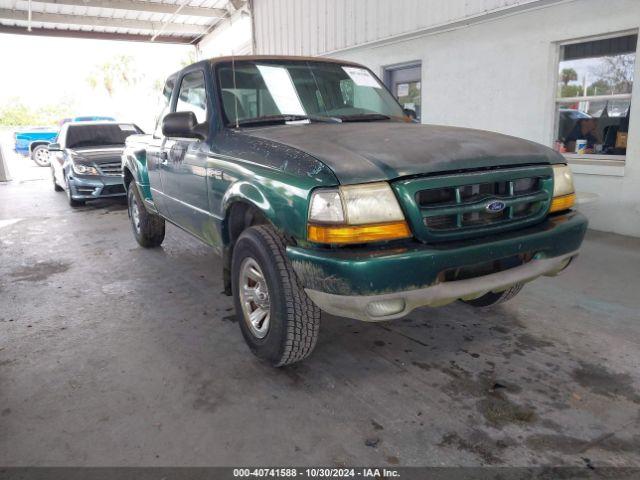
[{"x": 319, "y": 193}]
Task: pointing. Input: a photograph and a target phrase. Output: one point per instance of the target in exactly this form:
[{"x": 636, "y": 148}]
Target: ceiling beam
[
  {"x": 136, "y": 6},
  {"x": 128, "y": 37},
  {"x": 237, "y": 4},
  {"x": 81, "y": 20}
]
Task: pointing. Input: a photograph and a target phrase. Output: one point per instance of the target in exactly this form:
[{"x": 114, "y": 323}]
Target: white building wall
[
  {"x": 315, "y": 27},
  {"x": 497, "y": 72}
]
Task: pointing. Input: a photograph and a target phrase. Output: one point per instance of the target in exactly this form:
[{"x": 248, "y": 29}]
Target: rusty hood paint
[{"x": 373, "y": 151}]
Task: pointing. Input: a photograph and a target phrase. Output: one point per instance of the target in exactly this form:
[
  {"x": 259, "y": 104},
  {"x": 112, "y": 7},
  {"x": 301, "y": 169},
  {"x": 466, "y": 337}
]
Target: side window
[
  {"x": 164, "y": 107},
  {"x": 193, "y": 96}
]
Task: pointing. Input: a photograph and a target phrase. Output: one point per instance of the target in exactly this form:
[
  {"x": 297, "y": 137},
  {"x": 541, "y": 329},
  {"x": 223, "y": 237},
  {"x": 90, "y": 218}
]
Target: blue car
[{"x": 32, "y": 142}]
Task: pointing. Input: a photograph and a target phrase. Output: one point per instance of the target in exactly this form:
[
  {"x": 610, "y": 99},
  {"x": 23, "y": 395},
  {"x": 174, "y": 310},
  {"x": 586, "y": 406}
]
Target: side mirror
[
  {"x": 181, "y": 124},
  {"x": 54, "y": 147}
]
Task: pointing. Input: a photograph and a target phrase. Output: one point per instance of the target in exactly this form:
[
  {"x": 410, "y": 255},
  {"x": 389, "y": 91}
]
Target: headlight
[
  {"x": 564, "y": 196},
  {"x": 326, "y": 207},
  {"x": 82, "y": 169},
  {"x": 370, "y": 203},
  {"x": 356, "y": 214}
]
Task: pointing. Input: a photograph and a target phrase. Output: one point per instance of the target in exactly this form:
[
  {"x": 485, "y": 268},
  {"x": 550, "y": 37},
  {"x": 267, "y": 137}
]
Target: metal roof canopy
[{"x": 162, "y": 21}]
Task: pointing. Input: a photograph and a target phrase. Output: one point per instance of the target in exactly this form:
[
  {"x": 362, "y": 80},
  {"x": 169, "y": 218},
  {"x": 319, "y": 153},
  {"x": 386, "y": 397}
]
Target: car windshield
[
  {"x": 278, "y": 91},
  {"x": 79, "y": 136}
]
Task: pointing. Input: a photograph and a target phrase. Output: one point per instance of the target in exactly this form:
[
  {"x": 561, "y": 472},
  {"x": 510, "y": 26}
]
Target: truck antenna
[{"x": 235, "y": 96}]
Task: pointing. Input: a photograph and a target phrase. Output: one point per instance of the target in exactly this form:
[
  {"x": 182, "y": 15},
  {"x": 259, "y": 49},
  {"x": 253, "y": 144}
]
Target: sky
[
  {"x": 41, "y": 71},
  {"x": 586, "y": 69}
]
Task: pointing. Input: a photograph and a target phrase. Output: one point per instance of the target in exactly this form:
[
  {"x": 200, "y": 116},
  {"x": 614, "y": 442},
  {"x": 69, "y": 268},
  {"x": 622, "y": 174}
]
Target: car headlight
[
  {"x": 356, "y": 214},
  {"x": 82, "y": 169},
  {"x": 564, "y": 195}
]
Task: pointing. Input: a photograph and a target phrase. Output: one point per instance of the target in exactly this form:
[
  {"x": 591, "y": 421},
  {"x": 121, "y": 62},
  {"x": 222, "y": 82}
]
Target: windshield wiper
[
  {"x": 287, "y": 118},
  {"x": 365, "y": 117}
]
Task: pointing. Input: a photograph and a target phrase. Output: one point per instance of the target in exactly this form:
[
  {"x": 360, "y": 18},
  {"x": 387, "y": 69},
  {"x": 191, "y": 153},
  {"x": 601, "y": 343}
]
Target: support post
[{"x": 5, "y": 176}]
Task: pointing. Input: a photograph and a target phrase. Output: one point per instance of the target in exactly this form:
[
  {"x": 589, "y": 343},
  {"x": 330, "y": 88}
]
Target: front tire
[
  {"x": 277, "y": 319},
  {"x": 494, "y": 298},
  {"x": 148, "y": 229},
  {"x": 40, "y": 155}
]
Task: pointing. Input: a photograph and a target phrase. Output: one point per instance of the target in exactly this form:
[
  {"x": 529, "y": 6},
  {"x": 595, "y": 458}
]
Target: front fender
[
  {"x": 282, "y": 198},
  {"x": 135, "y": 161},
  {"x": 247, "y": 192},
  {"x": 37, "y": 143}
]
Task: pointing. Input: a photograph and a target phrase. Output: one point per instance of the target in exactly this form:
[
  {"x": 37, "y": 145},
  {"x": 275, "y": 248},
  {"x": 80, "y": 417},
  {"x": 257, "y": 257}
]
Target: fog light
[{"x": 384, "y": 308}]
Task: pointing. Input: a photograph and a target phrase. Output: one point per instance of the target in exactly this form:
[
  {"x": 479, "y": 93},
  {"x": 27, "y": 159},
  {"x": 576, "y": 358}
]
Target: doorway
[{"x": 405, "y": 83}]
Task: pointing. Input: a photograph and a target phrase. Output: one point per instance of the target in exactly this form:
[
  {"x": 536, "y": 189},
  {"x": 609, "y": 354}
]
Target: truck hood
[{"x": 374, "y": 151}]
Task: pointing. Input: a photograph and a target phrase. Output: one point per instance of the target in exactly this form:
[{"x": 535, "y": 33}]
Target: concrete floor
[{"x": 115, "y": 355}]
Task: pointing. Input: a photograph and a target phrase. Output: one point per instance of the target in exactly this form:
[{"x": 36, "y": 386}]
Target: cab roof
[
  {"x": 251, "y": 58},
  {"x": 290, "y": 58},
  {"x": 98, "y": 122}
]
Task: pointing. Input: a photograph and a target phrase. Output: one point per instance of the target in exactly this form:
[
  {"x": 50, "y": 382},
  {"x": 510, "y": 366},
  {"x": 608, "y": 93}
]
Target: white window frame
[{"x": 614, "y": 164}]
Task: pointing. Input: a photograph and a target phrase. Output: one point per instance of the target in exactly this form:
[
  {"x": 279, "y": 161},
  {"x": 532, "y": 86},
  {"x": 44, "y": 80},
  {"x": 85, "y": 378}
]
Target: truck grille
[
  {"x": 111, "y": 168},
  {"x": 523, "y": 197},
  {"x": 472, "y": 204}
]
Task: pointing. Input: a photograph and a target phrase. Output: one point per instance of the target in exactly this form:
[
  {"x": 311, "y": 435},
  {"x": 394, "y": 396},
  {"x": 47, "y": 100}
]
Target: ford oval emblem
[{"x": 495, "y": 207}]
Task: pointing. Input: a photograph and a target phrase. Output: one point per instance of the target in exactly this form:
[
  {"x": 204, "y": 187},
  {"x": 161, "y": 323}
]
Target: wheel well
[
  {"x": 240, "y": 216},
  {"x": 33, "y": 145},
  {"x": 128, "y": 177}
]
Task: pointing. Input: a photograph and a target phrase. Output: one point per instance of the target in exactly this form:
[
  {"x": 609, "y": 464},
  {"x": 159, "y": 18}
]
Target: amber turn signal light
[
  {"x": 564, "y": 202},
  {"x": 343, "y": 234}
]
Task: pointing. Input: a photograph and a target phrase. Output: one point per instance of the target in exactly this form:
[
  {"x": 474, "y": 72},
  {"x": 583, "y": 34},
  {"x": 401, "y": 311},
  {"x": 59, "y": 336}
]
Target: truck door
[
  {"x": 183, "y": 170},
  {"x": 155, "y": 154}
]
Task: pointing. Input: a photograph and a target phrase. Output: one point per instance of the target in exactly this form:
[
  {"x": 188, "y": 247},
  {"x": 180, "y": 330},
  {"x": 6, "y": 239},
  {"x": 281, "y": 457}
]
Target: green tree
[
  {"x": 617, "y": 72},
  {"x": 568, "y": 75},
  {"x": 571, "y": 91},
  {"x": 599, "y": 87},
  {"x": 16, "y": 113},
  {"x": 192, "y": 57},
  {"x": 119, "y": 71}
]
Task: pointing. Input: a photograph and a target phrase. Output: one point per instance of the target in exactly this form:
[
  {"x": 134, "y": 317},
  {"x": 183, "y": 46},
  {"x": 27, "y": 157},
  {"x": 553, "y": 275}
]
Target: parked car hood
[
  {"x": 374, "y": 151},
  {"x": 98, "y": 154}
]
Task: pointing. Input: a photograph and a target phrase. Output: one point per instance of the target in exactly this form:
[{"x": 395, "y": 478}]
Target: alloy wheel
[
  {"x": 41, "y": 156},
  {"x": 135, "y": 213},
  {"x": 254, "y": 298}
]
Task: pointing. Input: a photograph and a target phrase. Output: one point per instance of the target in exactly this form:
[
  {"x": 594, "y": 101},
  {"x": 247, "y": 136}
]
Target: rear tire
[
  {"x": 40, "y": 155},
  {"x": 293, "y": 320},
  {"x": 494, "y": 298},
  {"x": 148, "y": 229}
]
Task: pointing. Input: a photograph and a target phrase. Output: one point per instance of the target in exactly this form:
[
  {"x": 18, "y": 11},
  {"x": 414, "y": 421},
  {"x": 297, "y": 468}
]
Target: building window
[{"x": 593, "y": 104}]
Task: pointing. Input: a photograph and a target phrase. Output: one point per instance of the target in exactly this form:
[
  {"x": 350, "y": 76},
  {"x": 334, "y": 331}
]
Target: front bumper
[
  {"x": 385, "y": 283},
  {"x": 96, "y": 186}
]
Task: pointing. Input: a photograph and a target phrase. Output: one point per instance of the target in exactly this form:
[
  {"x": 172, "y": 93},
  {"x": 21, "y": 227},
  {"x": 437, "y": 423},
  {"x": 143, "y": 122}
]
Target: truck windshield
[
  {"x": 278, "y": 91},
  {"x": 80, "y": 136}
]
